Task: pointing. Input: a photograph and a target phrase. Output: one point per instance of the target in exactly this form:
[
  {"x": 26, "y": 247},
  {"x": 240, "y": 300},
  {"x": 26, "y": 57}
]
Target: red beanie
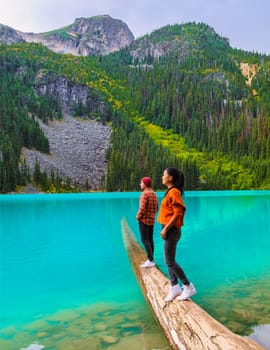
[{"x": 147, "y": 181}]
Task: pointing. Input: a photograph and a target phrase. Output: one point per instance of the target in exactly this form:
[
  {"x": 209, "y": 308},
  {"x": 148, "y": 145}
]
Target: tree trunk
[{"x": 185, "y": 324}]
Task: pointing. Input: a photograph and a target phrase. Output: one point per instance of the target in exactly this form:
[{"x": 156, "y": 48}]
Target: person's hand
[{"x": 163, "y": 233}]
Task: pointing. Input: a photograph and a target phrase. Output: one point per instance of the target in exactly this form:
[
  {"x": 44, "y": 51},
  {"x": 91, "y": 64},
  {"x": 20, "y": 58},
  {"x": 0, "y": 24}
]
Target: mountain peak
[
  {"x": 180, "y": 39},
  {"x": 9, "y": 35},
  {"x": 98, "y": 35}
]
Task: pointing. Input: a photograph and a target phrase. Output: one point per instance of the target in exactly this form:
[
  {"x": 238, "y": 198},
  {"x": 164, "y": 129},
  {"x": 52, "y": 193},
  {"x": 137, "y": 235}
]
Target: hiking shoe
[
  {"x": 188, "y": 291},
  {"x": 174, "y": 292},
  {"x": 148, "y": 263}
]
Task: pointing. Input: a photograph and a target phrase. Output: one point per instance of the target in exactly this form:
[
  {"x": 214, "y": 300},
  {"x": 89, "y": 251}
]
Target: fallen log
[{"x": 186, "y": 325}]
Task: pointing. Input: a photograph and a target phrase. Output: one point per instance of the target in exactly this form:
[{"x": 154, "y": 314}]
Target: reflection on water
[
  {"x": 261, "y": 335},
  {"x": 244, "y": 304}
]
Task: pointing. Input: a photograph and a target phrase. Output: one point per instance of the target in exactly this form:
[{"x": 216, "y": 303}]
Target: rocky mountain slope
[
  {"x": 175, "y": 39},
  {"x": 9, "y": 35},
  {"x": 193, "y": 61},
  {"x": 77, "y": 151},
  {"x": 77, "y": 146},
  {"x": 97, "y": 35}
]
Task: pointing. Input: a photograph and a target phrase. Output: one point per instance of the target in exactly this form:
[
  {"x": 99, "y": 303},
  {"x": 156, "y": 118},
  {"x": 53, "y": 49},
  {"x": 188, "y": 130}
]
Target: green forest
[{"x": 191, "y": 107}]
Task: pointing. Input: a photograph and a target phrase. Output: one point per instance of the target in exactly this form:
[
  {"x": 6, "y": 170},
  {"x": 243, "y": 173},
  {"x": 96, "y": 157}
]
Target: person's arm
[{"x": 166, "y": 228}]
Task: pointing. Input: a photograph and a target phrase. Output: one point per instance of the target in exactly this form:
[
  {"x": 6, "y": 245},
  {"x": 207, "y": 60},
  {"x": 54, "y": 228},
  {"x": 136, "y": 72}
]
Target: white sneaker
[
  {"x": 148, "y": 263},
  {"x": 188, "y": 291},
  {"x": 174, "y": 291}
]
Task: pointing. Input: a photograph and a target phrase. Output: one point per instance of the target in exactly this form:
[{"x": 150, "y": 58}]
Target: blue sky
[{"x": 244, "y": 22}]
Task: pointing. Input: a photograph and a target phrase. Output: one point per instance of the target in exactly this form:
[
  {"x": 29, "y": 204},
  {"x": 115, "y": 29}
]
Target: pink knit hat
[{"x": 147, "y": 181}]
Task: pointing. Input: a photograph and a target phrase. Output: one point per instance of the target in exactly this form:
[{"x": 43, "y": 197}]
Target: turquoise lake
[{"x": 66, "y": 281}]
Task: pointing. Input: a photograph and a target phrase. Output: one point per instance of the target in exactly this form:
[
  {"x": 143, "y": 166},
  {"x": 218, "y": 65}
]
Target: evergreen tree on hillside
[{"x": 193, "y": 88}]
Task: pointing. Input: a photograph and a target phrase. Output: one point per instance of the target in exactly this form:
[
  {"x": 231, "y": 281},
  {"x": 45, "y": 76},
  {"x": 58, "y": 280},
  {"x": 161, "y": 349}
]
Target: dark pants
[
  {"x": 170, "y": 243},
  {"x": 147, "y": 239}
]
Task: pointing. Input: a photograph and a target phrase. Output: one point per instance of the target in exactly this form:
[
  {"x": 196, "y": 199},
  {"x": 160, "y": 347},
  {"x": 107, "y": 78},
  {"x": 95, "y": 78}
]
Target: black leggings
[
  {"x": 147, "y": 239},
  {"x": 170, "y": 243}
]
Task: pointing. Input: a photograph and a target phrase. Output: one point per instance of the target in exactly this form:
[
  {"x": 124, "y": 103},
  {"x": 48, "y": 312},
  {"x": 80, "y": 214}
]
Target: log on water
[{"x": 185, "y": 324}]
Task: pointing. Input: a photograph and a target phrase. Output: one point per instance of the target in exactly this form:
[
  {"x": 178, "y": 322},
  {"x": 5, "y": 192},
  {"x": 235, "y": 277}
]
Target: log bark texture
[{"x": 185, "y": 324}]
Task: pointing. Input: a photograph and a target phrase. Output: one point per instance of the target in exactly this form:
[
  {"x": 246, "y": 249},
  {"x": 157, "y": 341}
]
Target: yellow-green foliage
[
  {"x": 166, "y": 138},
  {"x": 210, "y": 165},
  {"x": 82, "y": 70},
  {"x": 87, "y": 71}
]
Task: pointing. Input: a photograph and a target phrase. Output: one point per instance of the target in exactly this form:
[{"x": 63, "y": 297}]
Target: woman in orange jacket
[{"x": 171, "y": 217}]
